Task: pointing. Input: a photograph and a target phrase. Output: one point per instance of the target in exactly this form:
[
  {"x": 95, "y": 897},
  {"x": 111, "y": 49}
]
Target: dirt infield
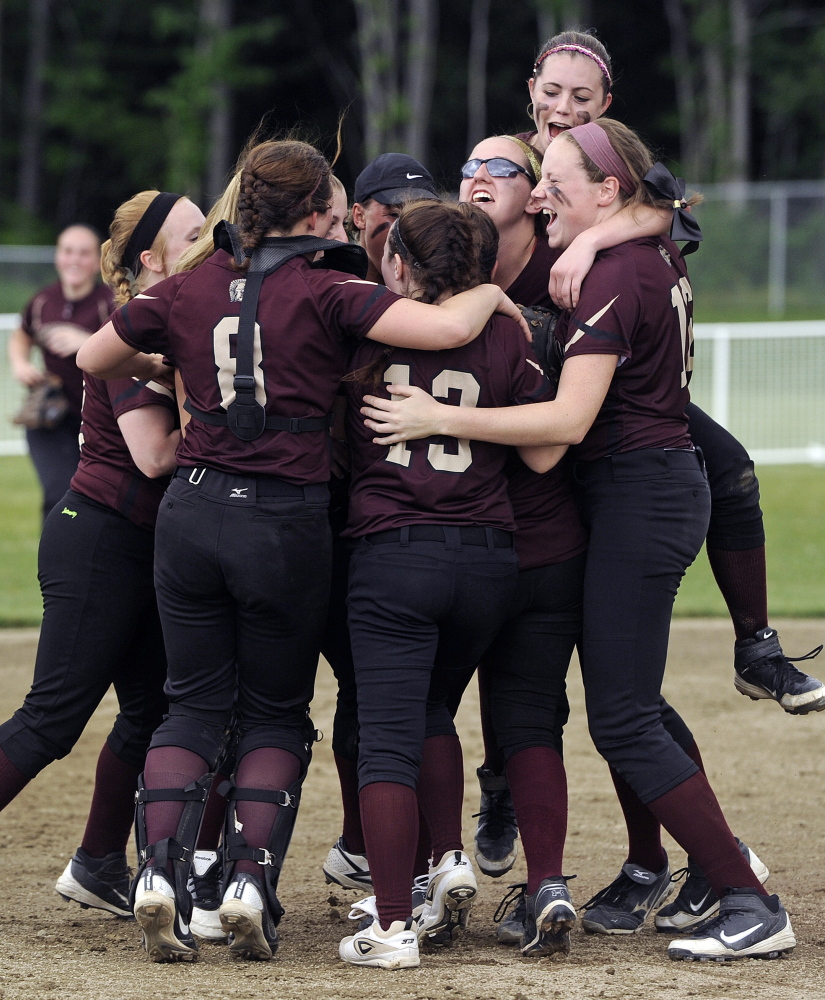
[{"x": 766, "y": 767}]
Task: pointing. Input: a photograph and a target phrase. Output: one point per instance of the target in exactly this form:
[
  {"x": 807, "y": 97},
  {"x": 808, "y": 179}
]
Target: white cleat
[{"x": 451, "y": 892}]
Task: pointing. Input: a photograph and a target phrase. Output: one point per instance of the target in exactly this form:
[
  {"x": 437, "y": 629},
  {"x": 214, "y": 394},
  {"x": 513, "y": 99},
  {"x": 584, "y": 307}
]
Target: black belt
[
  {"x": 639, "y": 464},
  {"x": 265, "y": 486},
  {"x": 436, "y": 533}
]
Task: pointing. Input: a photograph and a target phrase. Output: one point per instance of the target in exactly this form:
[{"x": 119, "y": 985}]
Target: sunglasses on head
[{"x": 497, "y": 166}]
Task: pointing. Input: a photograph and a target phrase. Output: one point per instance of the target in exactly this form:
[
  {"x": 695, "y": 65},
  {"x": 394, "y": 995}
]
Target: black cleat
[
  {"x": 510, "y": 928},
  {"x": 623, "y": 906},
  {"x": 550, "y": 916},
  {"x": 100, "y": 883},
  {"x": 697, "y": 902},
  {"x": 496, "y": 846},
  {"x": 748, "y": 925},
  {"x": 761, "y": 670}
]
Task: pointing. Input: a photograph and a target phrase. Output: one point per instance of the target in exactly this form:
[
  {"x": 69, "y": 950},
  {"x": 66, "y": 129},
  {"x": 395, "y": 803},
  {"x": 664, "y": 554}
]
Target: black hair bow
[{"x": 684, "y": 226}]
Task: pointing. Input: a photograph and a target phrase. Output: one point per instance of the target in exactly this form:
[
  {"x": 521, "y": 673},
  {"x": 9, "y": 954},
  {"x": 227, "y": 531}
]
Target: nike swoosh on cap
[
  {"x": 738, "y": 937},
  {"x": 412, "y": 177}
]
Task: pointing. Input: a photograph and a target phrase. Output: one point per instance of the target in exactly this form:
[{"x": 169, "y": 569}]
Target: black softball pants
[
  {"x": 525, "y": 668},
  {"x": 647, "y": 512},
  {"x": 735, "y": 514},
  {"x": 242, "y": 570},
  {"x": 100, "y": 628},
  {"x": 55, "y": 452},
  {"x": 421, "y": 613}
]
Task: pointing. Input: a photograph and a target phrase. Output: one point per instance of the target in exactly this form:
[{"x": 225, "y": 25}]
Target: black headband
[{"x": 144, "y": 233}]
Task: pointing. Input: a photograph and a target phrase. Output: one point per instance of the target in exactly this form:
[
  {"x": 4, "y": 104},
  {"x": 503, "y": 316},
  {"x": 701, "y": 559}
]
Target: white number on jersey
[
  {"x": 680, "y": 296},
  {"x": 226, "y": 328},
  {"x": 437, "y": 454}
]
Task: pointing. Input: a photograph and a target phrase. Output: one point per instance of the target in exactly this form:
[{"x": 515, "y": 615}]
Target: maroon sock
[
  {"x": 214, "y": 814},
  {"x": 168, "y": 767},
  {"x": 441, "y": 793},
  {"x": 424, "y": 847},
  {"x": 692, "y": 816},
  {"x": 389, "y": 814},
  {"x": 348, "y": 780},
  {"x": 644, "y": 832},
  {"x": 12, "y": 781},
  {"x": 113, "y": 805},
  {"x": 273, "y": 769},
  {"x": 493, "y": 757},
  {"x": 742, "y": 578},
  {"x": 538, "y": 784}
]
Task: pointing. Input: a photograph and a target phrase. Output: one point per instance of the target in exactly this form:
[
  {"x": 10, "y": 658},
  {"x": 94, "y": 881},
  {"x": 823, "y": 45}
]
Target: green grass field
[{"x": 793, "y": 498}]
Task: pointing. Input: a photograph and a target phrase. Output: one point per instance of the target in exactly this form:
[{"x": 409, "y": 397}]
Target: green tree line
[{"x": 100, "y": 99}]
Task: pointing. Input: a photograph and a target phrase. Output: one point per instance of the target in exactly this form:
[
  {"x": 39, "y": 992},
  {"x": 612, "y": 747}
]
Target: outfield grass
[{"x": 793, "y": 498}]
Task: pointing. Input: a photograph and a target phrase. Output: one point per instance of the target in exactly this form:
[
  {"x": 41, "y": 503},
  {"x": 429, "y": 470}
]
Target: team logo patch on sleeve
[{"x": 236, "y": 288}]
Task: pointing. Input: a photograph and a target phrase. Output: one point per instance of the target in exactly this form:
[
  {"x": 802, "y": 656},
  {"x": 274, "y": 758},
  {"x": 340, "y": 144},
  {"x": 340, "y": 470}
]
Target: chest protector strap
[{"x": 245, "y": 416}]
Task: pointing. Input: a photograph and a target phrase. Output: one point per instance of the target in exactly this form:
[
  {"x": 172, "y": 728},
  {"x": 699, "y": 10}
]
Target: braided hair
[
  {"x": 282, "y": 182},
  {"x": 123, "y": 283},
  {"x": 447, "y": 246}
]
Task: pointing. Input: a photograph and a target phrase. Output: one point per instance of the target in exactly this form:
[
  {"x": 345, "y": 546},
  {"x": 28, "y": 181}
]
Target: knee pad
[{"x": 735, "y": 514}]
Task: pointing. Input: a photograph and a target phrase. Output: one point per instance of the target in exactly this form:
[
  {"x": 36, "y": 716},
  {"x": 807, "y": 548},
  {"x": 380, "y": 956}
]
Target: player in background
[
  {"x": 621, "y": 400},
  {"x": 58, "y": 320},
  {"x": 243, "y": 517},
  {"x": 571, "y": 84},
  {"x": 382, "y": 188},
  {"x": 431, "y": 575},
  {"x": 100, "y": 623}
]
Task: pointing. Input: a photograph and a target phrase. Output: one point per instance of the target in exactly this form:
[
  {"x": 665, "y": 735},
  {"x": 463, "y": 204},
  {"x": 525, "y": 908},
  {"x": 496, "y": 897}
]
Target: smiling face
[
  {"x": 507, "y": 200},
  {"x": 568, "y": 90},
  {"x": 77, "y": 260},
  {"x": 565, "y": 192}
]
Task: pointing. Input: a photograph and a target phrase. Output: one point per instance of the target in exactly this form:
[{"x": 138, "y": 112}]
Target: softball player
[
  {"x": 243, "y": 518},
  {"x": 58, "y": 320},
  {"x": 431, "y": 575},
  {"x": 570, "y": 85},
  {"x": 622, "y": 395},
  {"x": 100, "y": 624}
]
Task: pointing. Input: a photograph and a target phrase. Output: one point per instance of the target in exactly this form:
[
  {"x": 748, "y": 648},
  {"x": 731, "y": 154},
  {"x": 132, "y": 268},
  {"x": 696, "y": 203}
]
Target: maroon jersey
[
  {"x": 304, "y": 318},
  {"x": 549, "y": 529},
  {"x": 51, "y": 308},
  {"x": 637, "y": 304},
  {"x": 531, "y": 286},
  {"x": 440, "y": 480},
  {"x": 106, "y": 472}
]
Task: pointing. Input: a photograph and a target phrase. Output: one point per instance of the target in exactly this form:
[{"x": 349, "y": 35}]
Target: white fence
[{"x": 765, "y": 382}]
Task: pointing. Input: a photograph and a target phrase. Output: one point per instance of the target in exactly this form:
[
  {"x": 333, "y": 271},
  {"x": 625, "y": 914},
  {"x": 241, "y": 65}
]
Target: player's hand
[
  {"x": 61, "y": 340},
  {"x": 416, "y": 415},
  {"x": 507, "y": 307},
  {"x": 27, "y": 374},
  {"x": 569, "y": 271}
]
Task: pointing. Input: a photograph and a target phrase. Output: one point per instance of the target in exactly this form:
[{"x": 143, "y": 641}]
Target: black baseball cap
[{"x": 394, "y": 178}]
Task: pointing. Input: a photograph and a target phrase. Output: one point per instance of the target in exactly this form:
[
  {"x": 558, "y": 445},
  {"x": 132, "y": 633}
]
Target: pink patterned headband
[
  {"x": 595, "y": 143},
  {"x": 582, "y": 50}
]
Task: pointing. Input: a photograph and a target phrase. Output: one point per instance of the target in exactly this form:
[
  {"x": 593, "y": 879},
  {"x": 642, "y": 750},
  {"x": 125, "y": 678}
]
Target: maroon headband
[
  {"x": 594, "y": 142},
  {"x": 583, "y": 50}
]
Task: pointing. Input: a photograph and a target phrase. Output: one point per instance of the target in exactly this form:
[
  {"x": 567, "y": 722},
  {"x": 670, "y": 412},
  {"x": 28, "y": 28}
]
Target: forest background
[{"x": 100, "y": 98}]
